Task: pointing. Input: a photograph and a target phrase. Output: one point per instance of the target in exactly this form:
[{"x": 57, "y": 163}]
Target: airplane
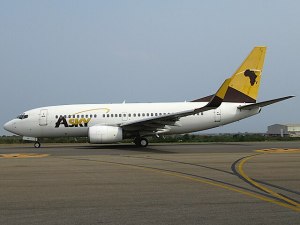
[{"x": 112, "y": 123}]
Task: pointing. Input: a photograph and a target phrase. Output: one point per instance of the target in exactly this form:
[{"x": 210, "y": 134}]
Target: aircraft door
[
  {"x": 43, "y": 117},
  {"x": 217, "y": 115}
]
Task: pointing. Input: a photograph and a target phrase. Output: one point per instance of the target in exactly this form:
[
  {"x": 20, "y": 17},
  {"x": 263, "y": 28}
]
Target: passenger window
[
  {"x": 134, "y": 115},
  {"x": 111, "y": 115},
  {"x": 147, "y": 114},
  {"x": 56, "y": 116},
  {"x": 139, "y": 115},
  {"x": 160, "y": 114},
  {"x": 129, "y": 115},
  {"x": 151, "y": 114},
  {"x": 69, "y": 116},
  {"x": 155, "y": 114},
  {"x": 78, "y": 116},
  {"x": 103, "y": 115},
  {"x": 95, "y": 116},
  {"x": 143, "y": 114},
  {"x": 86, "y": 116},
  {"x": 116, "y": 115},
  {"x": 73, "y": 116},
  {"x": 107, "y": 115},
  {"x": 82, "y": 116}
]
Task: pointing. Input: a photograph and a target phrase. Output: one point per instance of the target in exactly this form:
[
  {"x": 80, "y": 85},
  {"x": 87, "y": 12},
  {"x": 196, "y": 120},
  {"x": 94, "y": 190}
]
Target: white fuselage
[{"x": 75, "y": 120}]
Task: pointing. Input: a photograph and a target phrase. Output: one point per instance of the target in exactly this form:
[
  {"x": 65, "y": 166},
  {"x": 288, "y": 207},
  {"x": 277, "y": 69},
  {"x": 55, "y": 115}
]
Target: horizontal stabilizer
[{"x": 265, "y": 103}]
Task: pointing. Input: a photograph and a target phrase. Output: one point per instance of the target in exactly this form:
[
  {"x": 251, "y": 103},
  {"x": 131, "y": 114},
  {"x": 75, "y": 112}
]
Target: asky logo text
[{"x": 82, "y": 122}]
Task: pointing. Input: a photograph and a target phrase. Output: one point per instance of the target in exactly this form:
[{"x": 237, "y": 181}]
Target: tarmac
[{"x": 209, "y": 183}]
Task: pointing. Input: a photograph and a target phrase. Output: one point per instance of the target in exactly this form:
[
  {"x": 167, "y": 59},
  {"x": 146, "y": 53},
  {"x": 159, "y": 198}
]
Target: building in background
[{"x": 289, "y": 130}]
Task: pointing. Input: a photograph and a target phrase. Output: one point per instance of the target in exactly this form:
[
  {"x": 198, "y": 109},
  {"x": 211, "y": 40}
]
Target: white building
[{"x": 291, "y": 130}]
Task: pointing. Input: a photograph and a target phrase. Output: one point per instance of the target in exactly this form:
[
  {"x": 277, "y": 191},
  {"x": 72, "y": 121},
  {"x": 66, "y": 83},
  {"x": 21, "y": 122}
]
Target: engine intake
[{"x": 105, "y": 134}]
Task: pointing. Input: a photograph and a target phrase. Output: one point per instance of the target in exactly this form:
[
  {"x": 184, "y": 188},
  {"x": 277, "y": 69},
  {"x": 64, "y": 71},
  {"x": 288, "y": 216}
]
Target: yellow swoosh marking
[{"x": 106, "y": 109}]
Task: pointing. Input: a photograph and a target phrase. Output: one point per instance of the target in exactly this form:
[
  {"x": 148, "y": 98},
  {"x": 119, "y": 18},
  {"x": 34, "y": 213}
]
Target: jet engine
[{"x": 105, "y": 134}]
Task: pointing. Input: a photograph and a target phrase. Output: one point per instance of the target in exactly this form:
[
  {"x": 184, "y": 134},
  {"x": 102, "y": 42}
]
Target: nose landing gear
[{"x": 37, "y": 144}]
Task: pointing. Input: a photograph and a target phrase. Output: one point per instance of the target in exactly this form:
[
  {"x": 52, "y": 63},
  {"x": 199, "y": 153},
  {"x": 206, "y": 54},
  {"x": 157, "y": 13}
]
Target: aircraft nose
[{"x": 8, "y": 126}]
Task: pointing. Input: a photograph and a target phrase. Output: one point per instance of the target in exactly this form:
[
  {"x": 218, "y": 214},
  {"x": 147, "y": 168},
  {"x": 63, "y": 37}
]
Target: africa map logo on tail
[{"x": 252, "y": 76}]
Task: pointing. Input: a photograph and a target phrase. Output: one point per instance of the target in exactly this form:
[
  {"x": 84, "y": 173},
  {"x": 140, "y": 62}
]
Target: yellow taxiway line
[
  {"x": 23, "y": 155},
  {"x": 205, "y": 181},
  {"x": 279, "y": 150},
  {"x": 273, "y": 193}
]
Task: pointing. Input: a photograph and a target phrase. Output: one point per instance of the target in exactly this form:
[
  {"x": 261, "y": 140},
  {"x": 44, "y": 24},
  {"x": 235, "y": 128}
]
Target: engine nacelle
[{"x": 105, "y": 134}]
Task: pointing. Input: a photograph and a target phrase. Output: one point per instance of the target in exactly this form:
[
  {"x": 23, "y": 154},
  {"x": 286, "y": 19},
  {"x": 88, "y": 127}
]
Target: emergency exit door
[
  {"x": 43, "y": 117},
  {"x": 218, "y": 115}
]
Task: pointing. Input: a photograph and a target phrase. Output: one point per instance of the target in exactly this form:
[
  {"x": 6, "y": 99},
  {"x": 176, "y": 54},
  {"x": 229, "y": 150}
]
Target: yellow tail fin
[{"x": 245, "y": 81}]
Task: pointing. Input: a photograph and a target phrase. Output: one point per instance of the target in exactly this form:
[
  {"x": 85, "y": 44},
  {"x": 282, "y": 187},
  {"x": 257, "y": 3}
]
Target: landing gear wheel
[
  {"x": 37, "y": 144},
  {"x": 141, "y": 142},
  {"x": 144, "y": 142}
]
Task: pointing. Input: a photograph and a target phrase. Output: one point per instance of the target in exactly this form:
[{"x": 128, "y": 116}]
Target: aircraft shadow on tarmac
[{"x": 120, "y": 147}]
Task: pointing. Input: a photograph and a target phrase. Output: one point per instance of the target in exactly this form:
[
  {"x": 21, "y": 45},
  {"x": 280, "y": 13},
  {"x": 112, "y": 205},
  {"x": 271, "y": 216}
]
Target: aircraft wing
[
  {"x": 159, "y": 122},
  {"x": 263, "y": 104}
]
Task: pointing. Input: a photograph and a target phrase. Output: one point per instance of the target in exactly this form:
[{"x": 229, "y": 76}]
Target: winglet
[{"x": 218, "y": 98}]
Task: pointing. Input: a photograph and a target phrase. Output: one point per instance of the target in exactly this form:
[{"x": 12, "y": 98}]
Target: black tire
[
  {"x": 144, "y": 142},
  {"x": 141, "y": 142},
  {"x": 37, "y": 144}
]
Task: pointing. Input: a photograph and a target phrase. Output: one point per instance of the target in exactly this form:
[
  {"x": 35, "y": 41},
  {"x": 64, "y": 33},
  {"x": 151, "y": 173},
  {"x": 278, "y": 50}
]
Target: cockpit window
[{"x": 22, "y": 116}]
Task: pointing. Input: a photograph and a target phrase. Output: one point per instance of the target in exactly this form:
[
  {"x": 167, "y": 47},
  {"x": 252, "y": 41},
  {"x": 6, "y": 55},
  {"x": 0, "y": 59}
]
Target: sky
[{"x": 66, "y": 52}]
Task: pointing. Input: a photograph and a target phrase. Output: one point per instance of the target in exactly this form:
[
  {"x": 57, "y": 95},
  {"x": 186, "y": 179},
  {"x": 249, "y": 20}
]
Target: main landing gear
[{"x": 141, "y": 142}]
